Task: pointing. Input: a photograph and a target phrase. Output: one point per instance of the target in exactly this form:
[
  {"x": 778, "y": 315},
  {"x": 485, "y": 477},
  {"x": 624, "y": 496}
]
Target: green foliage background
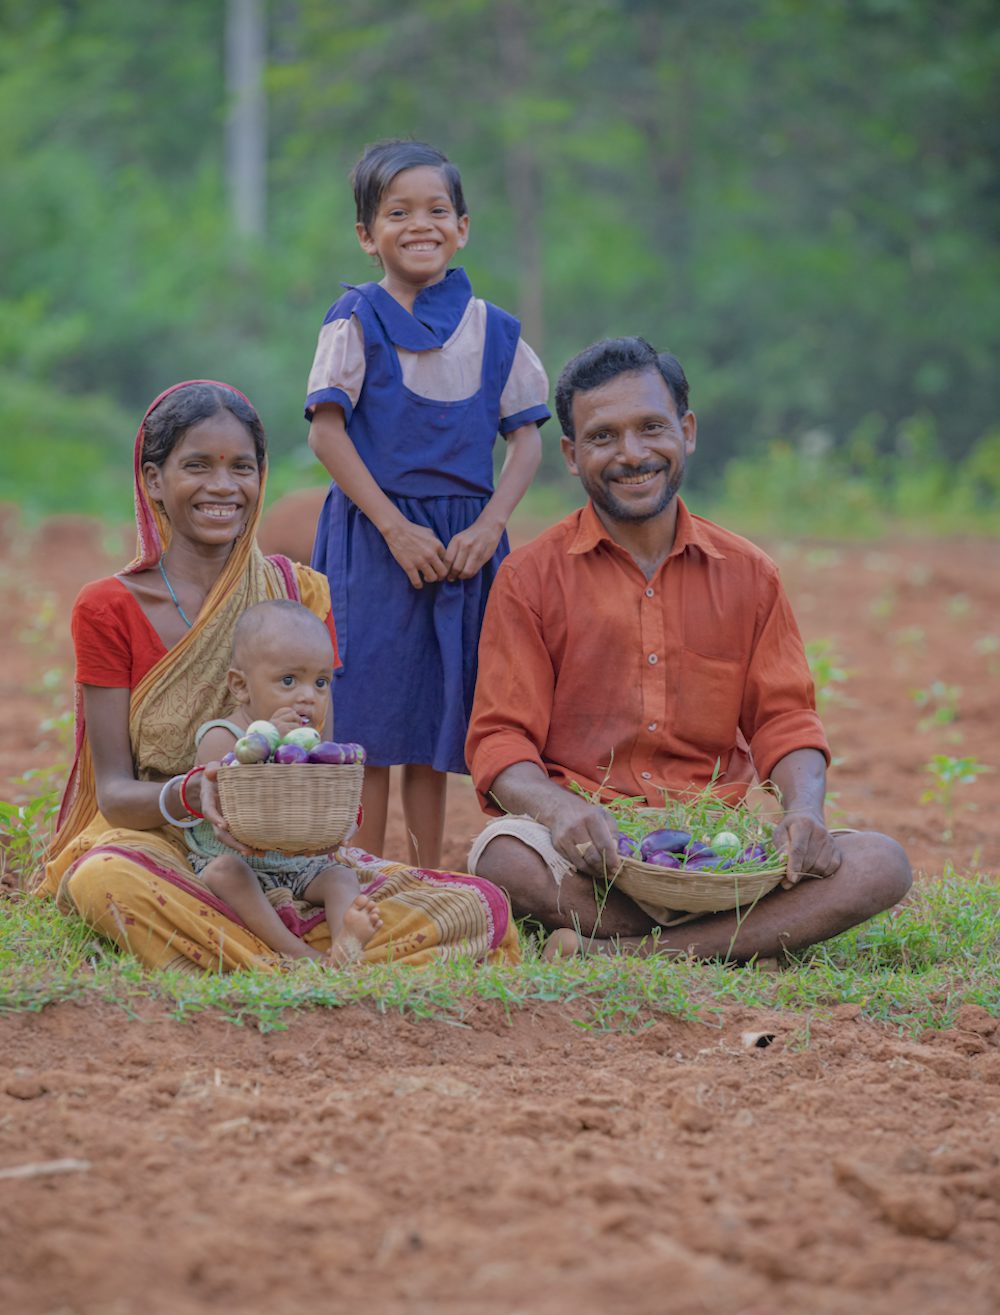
[{"x": 799, "y": 199}]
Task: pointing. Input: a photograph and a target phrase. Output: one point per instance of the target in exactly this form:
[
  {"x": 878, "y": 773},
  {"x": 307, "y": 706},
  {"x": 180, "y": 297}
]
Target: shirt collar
[
  {"x": 437, "y": 311},
  {"x": 690, "y": 533}
]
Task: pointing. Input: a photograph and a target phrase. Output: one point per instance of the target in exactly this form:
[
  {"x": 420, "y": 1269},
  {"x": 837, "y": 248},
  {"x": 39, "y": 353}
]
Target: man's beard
[{"x": 602, "y": 496}]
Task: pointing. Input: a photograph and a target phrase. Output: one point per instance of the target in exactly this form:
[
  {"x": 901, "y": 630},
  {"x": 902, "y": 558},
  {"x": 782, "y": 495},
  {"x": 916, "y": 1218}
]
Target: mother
[{"x": 152, "y": 649}]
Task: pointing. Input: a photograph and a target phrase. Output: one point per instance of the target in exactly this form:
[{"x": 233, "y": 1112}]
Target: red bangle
[{"x": 183, "y": 792}]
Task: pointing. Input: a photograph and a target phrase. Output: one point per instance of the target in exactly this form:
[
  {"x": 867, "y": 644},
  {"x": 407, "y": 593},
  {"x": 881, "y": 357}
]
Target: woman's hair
[
  {"x": 606, "y": 360},
  {"x": 166, "y": 426},
  {"x": 381, "y": 162}
]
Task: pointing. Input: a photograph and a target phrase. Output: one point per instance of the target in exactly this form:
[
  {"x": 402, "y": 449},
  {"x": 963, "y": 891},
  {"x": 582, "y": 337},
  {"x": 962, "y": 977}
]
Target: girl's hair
[
  {"x": 167, "y": 425},
  {"x": 380, "y": 164}
]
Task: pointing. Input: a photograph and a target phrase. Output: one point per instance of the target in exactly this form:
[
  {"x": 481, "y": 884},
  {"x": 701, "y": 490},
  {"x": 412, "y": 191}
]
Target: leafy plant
[
  {"x": 941, "y": 703},
  {"x": 947, "y": 775},
  {"x": 827, "y": 673}
]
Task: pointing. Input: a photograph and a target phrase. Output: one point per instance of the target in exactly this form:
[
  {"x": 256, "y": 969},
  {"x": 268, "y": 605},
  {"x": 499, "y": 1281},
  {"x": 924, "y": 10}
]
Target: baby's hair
[
  {"x": 382, "y": 161},
  {"x": 262, "y": 617}
]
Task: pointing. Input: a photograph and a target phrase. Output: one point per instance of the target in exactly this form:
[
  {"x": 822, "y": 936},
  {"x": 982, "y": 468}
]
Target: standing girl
[{"x": 412, "y": 380}]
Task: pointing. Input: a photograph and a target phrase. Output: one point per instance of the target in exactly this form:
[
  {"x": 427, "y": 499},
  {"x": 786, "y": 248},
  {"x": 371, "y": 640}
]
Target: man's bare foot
[
  {"x": 563, "y": 943},
  {"x": 361, "y": 922}
]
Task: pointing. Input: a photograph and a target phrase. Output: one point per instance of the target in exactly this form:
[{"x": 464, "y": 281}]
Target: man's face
[{"x": 631, "y": 447}]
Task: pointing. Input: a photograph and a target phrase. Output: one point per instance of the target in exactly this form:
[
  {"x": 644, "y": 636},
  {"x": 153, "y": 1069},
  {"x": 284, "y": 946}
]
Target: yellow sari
[{"x": 138, "y": 888}]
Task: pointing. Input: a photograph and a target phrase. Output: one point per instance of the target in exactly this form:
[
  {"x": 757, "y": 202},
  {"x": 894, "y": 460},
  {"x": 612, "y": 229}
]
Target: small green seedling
[
  {"x": 941, "y": 703},
  {"x": 947, "y": 775},
  {"x": 827, "y": 673}
]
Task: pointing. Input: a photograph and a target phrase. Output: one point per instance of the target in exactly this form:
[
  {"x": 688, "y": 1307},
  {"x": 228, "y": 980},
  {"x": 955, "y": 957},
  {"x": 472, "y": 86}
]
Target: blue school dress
[{"x": 409, "y": 655}]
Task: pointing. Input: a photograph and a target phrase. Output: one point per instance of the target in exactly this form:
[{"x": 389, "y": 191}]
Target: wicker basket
[
  {"x": 299, "y": 808},
  {"x": 674, "y": 890}
]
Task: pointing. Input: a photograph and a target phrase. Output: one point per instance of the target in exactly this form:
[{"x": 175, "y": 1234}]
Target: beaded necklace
[{"x": 170, "y": 591}]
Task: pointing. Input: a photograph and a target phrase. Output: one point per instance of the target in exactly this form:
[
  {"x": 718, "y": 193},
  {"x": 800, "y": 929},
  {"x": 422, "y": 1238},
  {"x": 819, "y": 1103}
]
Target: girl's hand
[
  {"x": 419, "y": 552},
  {"x": 470, "y": 550},
  {"x": 208, "y": 803}
]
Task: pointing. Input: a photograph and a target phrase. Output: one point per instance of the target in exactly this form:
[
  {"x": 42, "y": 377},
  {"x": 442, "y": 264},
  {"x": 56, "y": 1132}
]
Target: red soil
[{"x": 525, "y": 1165}]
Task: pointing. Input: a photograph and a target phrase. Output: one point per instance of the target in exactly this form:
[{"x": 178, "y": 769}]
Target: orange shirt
[{"x": 603, "y": 677}]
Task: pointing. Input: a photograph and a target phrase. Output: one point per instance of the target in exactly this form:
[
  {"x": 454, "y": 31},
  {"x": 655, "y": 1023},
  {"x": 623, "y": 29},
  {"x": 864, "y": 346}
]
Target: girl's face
[
  {"x": 416, "y": 230},
  {"x": 209, "y": 485}
]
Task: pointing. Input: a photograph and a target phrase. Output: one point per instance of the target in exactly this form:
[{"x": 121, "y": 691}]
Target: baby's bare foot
[
  {"x": 361, "y": 922},
  {"x": 562, "y": 944}
]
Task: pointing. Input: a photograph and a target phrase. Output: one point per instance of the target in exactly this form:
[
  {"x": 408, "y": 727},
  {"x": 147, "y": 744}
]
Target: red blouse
[{"x": 115, "y": 643}]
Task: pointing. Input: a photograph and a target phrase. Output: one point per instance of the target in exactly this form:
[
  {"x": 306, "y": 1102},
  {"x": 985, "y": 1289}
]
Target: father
[{"x": 635, "y": 648}]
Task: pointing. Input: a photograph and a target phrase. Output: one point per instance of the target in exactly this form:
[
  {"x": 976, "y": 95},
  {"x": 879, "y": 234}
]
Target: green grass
[{"x": 910, "y": 968}]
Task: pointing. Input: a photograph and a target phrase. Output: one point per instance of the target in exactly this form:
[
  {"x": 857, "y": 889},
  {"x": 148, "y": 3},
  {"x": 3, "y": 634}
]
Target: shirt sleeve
[
  {"x": 513, "y": 702},
  {"x": 338, "y": 369},
  {"x": 102, "y": 638},
  {"x": 779, "y": 702},
  {"x": 524, "y": 399}
]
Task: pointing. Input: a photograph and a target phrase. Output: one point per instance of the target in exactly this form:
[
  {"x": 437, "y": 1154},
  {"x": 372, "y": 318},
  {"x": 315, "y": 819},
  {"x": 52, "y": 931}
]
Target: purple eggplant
[
  {"x": 705, "y": 863},
  {"x": 662, "y": 859},
  {"x": 627, "y": 847},
  {"x": 753, "y": 854},
  {"x": 327, "y": 752},
  {"x": 228, "y": 760},
  {"x": 665, "y": 841},
  {"x": 358, "y": 753},
  {"x": 252, "y": 748},
  {"x": 698, "y": 849},
  {"x": 287, "y": 754}
]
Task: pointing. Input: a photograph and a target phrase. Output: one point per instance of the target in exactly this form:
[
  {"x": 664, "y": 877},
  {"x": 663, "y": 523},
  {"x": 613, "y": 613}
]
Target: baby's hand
[{"x": 286, "y": 719}]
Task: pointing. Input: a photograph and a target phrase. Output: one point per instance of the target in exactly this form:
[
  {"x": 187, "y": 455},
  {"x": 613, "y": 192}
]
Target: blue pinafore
[{"x": 409, "y": 655}]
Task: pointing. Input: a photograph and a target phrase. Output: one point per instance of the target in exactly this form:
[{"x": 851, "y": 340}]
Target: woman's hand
[
  {"x": 470, "y": 550},
  {"x": 206, "y": 784},
  {"x": 418, "y": 550}
]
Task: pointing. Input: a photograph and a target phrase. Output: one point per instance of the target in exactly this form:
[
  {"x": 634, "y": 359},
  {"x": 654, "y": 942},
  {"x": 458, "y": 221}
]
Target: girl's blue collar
[{"x": 437, "y": 311}]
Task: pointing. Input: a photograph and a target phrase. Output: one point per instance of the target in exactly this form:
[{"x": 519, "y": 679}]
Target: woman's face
[{"x": 209, "y": 485}]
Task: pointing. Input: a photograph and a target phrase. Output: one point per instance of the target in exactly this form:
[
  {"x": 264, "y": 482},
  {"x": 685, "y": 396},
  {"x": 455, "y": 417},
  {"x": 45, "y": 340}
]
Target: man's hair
[
  {"x": 606, "y": 360},
  {"x": 275, "y": 613},
  {"x": 381, "y": 162}
]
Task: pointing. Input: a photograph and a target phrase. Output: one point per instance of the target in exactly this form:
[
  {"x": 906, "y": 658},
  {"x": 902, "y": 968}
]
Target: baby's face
[{"x": 291, "y": 669}]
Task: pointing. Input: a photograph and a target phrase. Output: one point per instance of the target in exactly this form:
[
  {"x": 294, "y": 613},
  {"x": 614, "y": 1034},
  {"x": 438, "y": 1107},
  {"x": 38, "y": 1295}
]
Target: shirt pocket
[{"x": 709, "y": 697}]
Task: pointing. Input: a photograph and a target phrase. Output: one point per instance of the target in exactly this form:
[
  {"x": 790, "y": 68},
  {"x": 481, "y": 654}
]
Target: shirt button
[
  {"x": 649, "y": 593},
  {"x": 651, "y": 726},
  {"x": 645, "y": 775},
  {"x": 653, "y": 659}
]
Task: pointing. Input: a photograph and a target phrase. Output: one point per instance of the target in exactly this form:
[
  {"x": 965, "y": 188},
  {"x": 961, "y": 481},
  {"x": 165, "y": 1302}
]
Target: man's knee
[{"x": 516, "y": 868}]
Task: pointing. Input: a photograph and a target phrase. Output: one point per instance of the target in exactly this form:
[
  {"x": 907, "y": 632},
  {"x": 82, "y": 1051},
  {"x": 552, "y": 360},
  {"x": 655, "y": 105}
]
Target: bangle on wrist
[
  {"x": 183, "y": 793},
  {"x": 184, "y": 825}
]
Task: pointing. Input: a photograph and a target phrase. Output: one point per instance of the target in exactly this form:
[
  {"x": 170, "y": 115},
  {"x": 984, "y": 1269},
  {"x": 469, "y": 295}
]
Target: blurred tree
[{"x": 799, "y": 199}]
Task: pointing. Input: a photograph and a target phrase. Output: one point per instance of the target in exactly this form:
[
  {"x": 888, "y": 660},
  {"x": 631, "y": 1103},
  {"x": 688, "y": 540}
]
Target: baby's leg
[
  {"x": 353, "y": 918},
  {"x": 233, "y": 881}
]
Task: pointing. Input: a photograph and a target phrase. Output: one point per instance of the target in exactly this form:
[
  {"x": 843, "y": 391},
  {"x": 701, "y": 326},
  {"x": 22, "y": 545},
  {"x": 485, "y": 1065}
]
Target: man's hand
[
  {"x": 585, "y": 834},
  {"x": 419, "y": 552},
  {"x": 809, "y": 848}
]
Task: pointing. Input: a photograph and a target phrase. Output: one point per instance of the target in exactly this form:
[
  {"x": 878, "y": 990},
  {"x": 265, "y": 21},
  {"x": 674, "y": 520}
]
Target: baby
[{"x": 282, "y": 666}]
